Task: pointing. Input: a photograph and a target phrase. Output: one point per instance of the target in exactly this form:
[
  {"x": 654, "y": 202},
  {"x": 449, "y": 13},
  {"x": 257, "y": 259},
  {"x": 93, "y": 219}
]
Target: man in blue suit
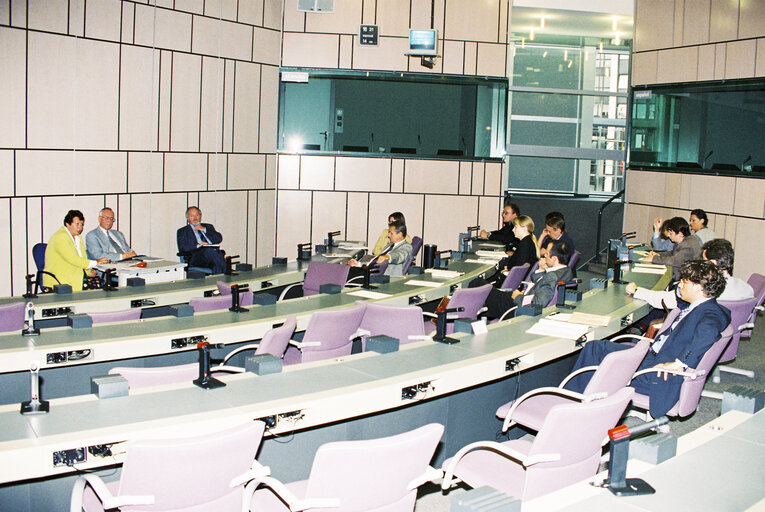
[
  {"x": 201, "y": 240},
  {"x": 105, "y": 242},
  {"x": 682, "y": 346}
]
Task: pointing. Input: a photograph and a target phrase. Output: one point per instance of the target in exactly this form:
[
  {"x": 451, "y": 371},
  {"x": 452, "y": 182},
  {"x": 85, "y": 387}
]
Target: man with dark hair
[
  {"x": 201, "y": 241},
  {"x": 555, "y": 229},
  {"x": 687, "y": 247},
  {"x": 65, "y": 256},
  {"x": 682, "y": 346},
  {"x": 698, "y": 222},
  {"x": 659, "y": 240},
  {"x": 505, "y": 234},
  {"x": 397, "y": 252}
]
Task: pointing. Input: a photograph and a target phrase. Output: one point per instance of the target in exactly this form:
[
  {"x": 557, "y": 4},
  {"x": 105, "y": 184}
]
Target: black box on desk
[
  {"x": 741, "y": 398},
  {"x": 79, "y": 321},
  {"x": 263, "y": 364},
  {"x": 304, "y": 255},
  {"x": 382, "y": 344},
  {"x": 320, "y": 248},
  {"x": 243, "y": 267},
  {"x": 379, "y": 279},
  {"x": 653, "y": 449},
  {"x": 530, "y": 310},
  {"x": 598, "y": 283},
  {"x": 135, "y": 281},
  {"x": 415, "y": 271},
  {"x": 263, "y": 299},
  {"x": 278, "y": 261},
  {"x": 195, "y": 274},
  {"x": 464, "y": 325},
  {"x": 109, "y": 386},
  {"x": 573, "y": 295},
  {"x": 330, "y": 288},
  {"x": 182, "y": 310},
  {"x": 62, "y": 289}
]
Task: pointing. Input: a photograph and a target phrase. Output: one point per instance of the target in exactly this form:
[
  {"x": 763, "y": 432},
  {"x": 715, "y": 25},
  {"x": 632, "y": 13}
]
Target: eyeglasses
[{"x": 108, "y": 218}]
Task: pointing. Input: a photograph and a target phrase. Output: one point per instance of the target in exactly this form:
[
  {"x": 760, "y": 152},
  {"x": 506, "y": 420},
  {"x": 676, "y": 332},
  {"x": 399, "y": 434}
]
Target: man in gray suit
[
  {"x": 398, "y": 251},
  {"x": 105, "y": 242}
]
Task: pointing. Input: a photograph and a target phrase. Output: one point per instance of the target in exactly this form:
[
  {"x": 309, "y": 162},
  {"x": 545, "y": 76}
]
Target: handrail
[{"x": 600, "y": 222}]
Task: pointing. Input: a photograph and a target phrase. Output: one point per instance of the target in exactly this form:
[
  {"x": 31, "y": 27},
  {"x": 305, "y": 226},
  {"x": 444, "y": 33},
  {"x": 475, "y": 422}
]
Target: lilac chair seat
[
  {"x": 757, "y": 282},
  {"x": 201, "y": 304},
  {"x": 401, "y": 322},
  {"x": 514, "y": 277},
  {"x": 12, "y": 316},
  {"x": 116, "y": 316},
  {"x": 320, "y": 273},
  {"x": 334, "y": 331},
  {"x": 274, "y": 342},
  {"x": 472, "y": 299}
]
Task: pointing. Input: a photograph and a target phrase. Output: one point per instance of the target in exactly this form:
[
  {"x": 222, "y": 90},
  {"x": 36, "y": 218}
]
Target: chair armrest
[
  {"x": 635, "y": 337},
  {"x": 225, "y": 368},
  {"x": 303, "y": 344},
  {"x": 429, "y": 314},
  {"x": 574, "y": 374},
  {"x": 418, "y": 337},
  {"x": 743, "y": 327},
  {"x": 288, "y": 288},
  {"x": 431, "y": 474},
  {"x": 353, "y": 279},
  {"x": 108, "y": 500},
  {"x": 256, "y": 471},
  {"x": 507, "y": 313},
  {"x": 251, "y": 346},
  {"x": 689, "y": 373},
  {"x": 549, "y": 389},
  {"x": 293, "y": 502}
]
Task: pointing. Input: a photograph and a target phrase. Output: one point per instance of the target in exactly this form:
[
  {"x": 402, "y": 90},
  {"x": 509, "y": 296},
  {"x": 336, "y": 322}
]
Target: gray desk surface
[{"x": 324, "y": 391}]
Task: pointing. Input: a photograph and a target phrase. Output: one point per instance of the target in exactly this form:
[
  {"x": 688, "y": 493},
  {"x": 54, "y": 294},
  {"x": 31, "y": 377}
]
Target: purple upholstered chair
[
  {"x": 139, "y": 377},
  {"x": 613, "y": 373},
  {"x": 401, "y": 322},
  {"x": 757, "y": 282},
  {"x": 375, "y": 475},
  {"x": 329, "y": 334},
  {"x": 471, "y": 299},
  {"x": 566, "y": 450},
  {"x": 514, "y": 277},
  {"x": 693, "y": 380},
  {"x": 201, "y": 304},
  {"x": 223, "y": 288},
  {"x": 274, "y": 342},
  {"x": 319, "y": 273},
  {"x": 116, "y": 316},
  {"x": 416, "y": 245},
  {"x": 12, "y": 316},
  {"x": 740, "y": 313},
  {"x": 152, "y": 474}
]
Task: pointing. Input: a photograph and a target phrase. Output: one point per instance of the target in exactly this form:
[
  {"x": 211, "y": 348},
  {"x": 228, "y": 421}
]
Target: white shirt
[
  {"x": 735, "y": 289},
  {"x": 76, "y": 242},
  {"x": 113, "y": 239},
  {"x": 656, "y": 346}
]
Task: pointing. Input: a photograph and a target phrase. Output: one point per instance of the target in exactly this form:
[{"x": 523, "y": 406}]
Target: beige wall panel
[
  {"x": 13, "y": 49},
  {"x": 706, "y": 70},
  {"x": 246, "y": 171},
  {"x": 748, "y": 247},
  {"x": 477, "y": 182},
  {"x": 225, "y": 9},
  {"x": 102, "y": 19},
  {"x": 272, "y": 14},
  {"x": 157, "y": 238},
  {"x": 246, "y": 107},
  {"x": 420, "y": 15},
  {"x": 226, "y": 211},
  {"x": 211, "y": 109},
  {"x": 654, "y": 24},
  {"x": 696, "y": 22},
  {"x": 18, "y": 13},
  {"x": 271, "y": 171},
  {"x": 389, "y": 54},
  {"x": 288, "y": 171},
  {"x": 504, "y": 8},
  {"x": 392, "y": 17},
  {"x": 293, "y": 221},
  {"x": 167, "y": 4},
  {"x": 676, "y": 193},
  {"x": 269, "y": 108},
  {"x": 713, "y": 193},
  {"x": 13, "y": 233},
  {"x": 139, "y": 89},
  {"x": 34, "y": 225},
  {"x": 462, "y": 212},
  {"x": 266, "y": 227},
  {"x": 471, "y": 58},
  {"x": 184, "y": 115},
  {"x": 677, "y": 65},
  {"x": 228, "y": 106},
  {"x": 310, "y": 50},
  {"x": 252, "y": 232},
  {"x": 40, "y": 172},
  {"x": 5, "y": 12},
  {"x": 751, "y": 20},
  {"x": 431, "y": 177},
  {"x": 145, "y": 172},
  {"x": 382, "y": 205},
  {"x": 454, "y": 57},
  {"x": 730, "y": 232},
  {"x": 165, "y": 84},
  {"x": 739, "y": 59},
  {"x": 195, "y": 6},
  {"x": 55, "y": 208},
  {"x": 77, "y": 18},
  {"x": 185, "y": 171},
  {"x": 317, "y": 173},
  {"x": 294, "y": 20},
  {"x": 492, "y": 183},
  {"x": 97, "y": 93},
  {"x": 466, "y": 178},
  {"x": 677, "y": 37},
  {"x": 347, "y": 43},
  {"x": 6, "y": 173},
  {"x": 122, "y": 212},
  {"x": 750, "y": 198},
  {"x": 724, "y": 20},
  {"x": 472, "y": 21},
  {"x": 345, "y": 19},
  {"x": 221, "y": 38},
  {"x": 637, "y": 218},
  {"x": 491, "y": 59},
  {"x": 48, "y": 15},
  {"x": 397, "y": 175},
  {"x": 367, "y": 174},
  {"x": 251, "y": 12},
  {"x": 327, "y": 214},
  {"x": 356, "y": 222},
  {"x": 488, "y": 216},
  {"x": 217, "y": 171},
  {"x": 759, "y": 69},
  {"x": 644, "y": 66},
  {"x": 265, "y": 46},
  {"x": 128, "y": 17},
  {"x": 173, "y": 29},
  {"x": 646, "y": 187},
  {"x": 720, "y": 56}
]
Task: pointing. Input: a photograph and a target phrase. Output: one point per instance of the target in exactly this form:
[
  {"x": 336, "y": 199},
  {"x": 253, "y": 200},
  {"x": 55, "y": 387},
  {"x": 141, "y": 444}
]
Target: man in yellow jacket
[{"x": 65, "y": 256}]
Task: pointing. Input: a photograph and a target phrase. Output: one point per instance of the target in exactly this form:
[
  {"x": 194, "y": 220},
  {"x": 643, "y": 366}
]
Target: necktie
[
  {"x": 663, "y": 338},
  {"x": 114, "y": 242},
  {"x": 387, "y": 249},
  {"x": 204, "y": 237}
]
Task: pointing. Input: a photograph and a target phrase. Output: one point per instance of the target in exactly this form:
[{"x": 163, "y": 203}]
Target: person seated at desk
[
  {"x": 506, "y": 233},
  {"x": 196, "y": 237},
  {"x": 660, "y": 242},
  {"x": 383, "y": 240},
  {"x": 698, "y": 223},
  {"x": 687, "y": 247},
  {"x": 66, "y": 258},
  {"x": 552, "y": 269},
  {"x": 692, "y": 333},
  {"x": 396, "y": 252},
  {"x": 720, "y": 252},
  {"x": 105, "y": 242},
  {"x": 526, "y": 250},
  {"x": 555, "y": 229}
]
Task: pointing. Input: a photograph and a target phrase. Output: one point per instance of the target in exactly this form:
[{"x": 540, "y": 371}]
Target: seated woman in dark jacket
[{"x": 526, "y": 250}]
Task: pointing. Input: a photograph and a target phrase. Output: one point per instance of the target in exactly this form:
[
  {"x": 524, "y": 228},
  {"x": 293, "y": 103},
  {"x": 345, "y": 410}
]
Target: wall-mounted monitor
[{"x": 423, "y": 42}]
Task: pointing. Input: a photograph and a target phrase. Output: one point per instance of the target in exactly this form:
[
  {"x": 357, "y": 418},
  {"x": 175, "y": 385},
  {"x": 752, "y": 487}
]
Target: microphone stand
[
  {"x": 440, "y": 335},
  {"x": 35, "y": 405},
  {"x": 205, "y": 380}
]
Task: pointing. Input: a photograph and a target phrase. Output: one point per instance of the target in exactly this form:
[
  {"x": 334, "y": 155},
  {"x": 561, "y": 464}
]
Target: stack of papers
[
  {"x": 494, "y": 255},
  {"x": 481, "y": 262},
  {"x": 648, "y": 268},
  {"x": 443, "y": 274},
  {"x": 556, "y": 329},
  {"x": 369, "y": 294},
  {"x": 416, "y": 282},
  {"x": 581, "y": 318}
]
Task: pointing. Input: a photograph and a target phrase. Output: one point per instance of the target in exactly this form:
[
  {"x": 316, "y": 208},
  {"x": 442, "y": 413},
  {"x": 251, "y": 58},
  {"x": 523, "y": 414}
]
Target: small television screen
[{"x": 423, "y": 42}]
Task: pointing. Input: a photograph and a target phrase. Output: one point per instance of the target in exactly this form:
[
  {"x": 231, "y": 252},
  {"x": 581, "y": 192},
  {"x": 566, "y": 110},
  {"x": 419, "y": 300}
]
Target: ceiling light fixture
[
  {"x": 615, "y": 24},
  {"x": 565, "y": 54},
  {"x": 618, "y": 39},
  {"x": 542, "y": 22},
  {"x": 544, "y": 54},
  {"x": 570, "y": 63},
  {"x": 600, "y": 45},
  {"x": 523, "y": 42},
  {"x": 531, "y": 35}
]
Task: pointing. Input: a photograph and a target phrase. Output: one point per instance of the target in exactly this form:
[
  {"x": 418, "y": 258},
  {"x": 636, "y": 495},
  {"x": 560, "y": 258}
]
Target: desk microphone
[
  {"x": 35, "y": 405},
  {"x": 205, "y": 380},
  {"x": 108, "y": 284},
  {"x": 30, "y": 329},
  {"x": 440, "y": 335},
  {"x": 30, "y": 294},
  {"x": 236, "y": 290}
]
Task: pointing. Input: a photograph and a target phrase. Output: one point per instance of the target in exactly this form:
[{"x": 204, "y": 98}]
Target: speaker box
[{"x": 316, "y": 5}]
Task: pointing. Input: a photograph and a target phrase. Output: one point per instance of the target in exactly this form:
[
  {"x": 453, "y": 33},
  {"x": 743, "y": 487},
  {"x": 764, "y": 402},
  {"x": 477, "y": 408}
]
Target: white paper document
[
  {"x": 556, "y": 329},
  {"x": 369, "y": 294},
  {"x": 481, "y": 262},
  {"x": 581, "y": 318},
  {"x": 648, "y": 270},
  {"x": 494, "y": 255},
  {"x": 443, "y": 274},
  {"x": 429, "y": 284}
]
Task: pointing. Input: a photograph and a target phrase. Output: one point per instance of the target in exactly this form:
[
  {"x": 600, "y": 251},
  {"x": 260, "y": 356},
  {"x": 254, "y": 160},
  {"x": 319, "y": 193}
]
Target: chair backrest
[
  {"x": 514, "y": 277},
  {"x": 320, "y": 272},
  {"x": 12, "y": 316},
  {"x": 740, "y": 311},
  {"x": 575, "y": 431},
  {"x": 757, "y": 282},
  {"x": 416, "y": 244},
  {"x": 201, "y": 304},
  {"x": 155, "y": 467},
  {"x": 333, "y": 329},
  {"x": 223, "y": 288},
  {"x": 617, "y": 368},
  {"x": 373, "y": 475},
  {"x": 139, "y": 377},
  {"x": 573, "y": 260},
  {"x": 275, "y": 341},
  {"x": 38, "y": 254},
  {"x": 668, "y": 321},
  {"x": 471, "y": 299},
  {"x": 116, "y": 316},
  {"x": 399, "y": 322}
]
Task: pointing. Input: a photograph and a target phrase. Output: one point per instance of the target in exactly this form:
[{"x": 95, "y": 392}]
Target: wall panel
[{"x": 13, "y": 85}]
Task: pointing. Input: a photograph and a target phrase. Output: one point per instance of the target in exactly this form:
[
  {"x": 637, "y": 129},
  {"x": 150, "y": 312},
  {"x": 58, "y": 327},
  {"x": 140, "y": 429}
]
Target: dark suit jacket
[
  {"x": 545, "y": 285},
  {"x": 505, "y": 235},
  {"x": 187, "y": 240}
]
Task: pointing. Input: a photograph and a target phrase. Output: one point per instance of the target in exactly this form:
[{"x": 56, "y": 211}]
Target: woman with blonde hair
[{"x": 526, "y": 249}]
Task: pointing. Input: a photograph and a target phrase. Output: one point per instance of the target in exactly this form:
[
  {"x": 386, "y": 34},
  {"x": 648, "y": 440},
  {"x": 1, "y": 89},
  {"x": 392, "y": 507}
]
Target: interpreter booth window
[
  {"x": 392, "y": 114},
  {"x": 713, "y": 127}
]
